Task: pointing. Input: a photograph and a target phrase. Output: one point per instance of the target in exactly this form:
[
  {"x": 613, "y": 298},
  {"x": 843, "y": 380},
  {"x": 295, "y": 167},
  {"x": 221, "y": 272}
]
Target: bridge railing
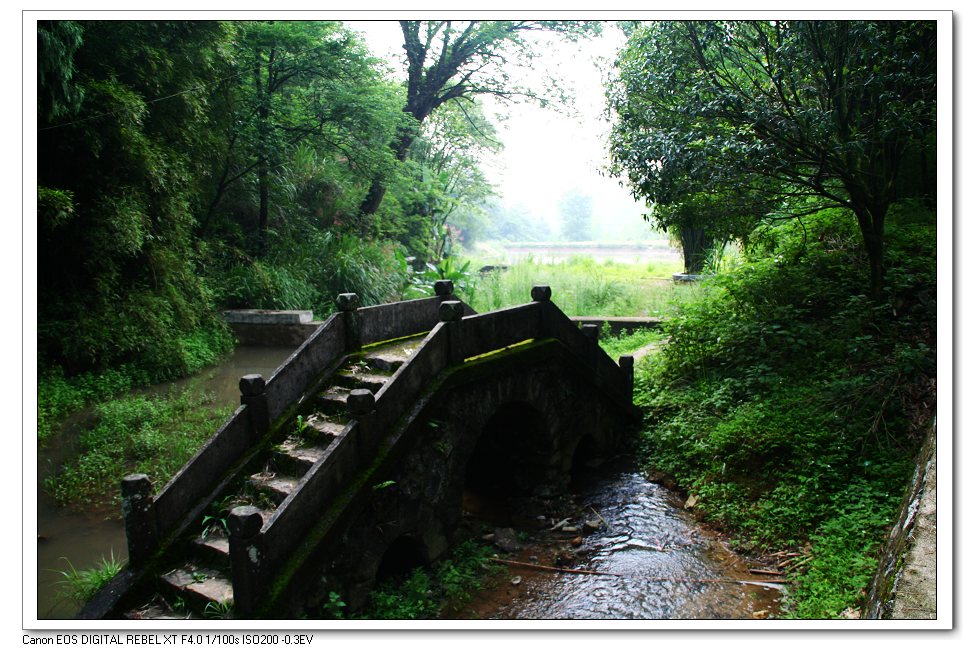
[
  {"x": 153, "y": 520},
  {"x": 273, "y": 551}
]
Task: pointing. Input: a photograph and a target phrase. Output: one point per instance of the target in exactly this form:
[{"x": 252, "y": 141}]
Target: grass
[
  {"x": 150, "y": 434},
  {"x": 80, "y": 586},
  {"x": 628, "y": 343},
  {"x": 583, "y": 287}
]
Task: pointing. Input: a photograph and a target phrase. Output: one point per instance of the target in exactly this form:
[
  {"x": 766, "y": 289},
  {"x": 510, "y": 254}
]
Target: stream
[{"x": 649, "y": 559}]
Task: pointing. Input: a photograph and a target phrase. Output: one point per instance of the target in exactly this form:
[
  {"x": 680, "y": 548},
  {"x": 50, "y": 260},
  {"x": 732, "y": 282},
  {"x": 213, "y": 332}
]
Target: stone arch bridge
[{"x": 357, "y": 453}]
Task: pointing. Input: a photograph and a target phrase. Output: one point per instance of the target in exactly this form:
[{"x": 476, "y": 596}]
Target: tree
[
  {"x": 447, "y": 180},
  {"x": 449, "y": 61},
  {"x": 304, "y": 85},
  {"x": 822, "y": 113},
  {"x": 575, "y": 208},
  {"x": 120, "y": 166}
]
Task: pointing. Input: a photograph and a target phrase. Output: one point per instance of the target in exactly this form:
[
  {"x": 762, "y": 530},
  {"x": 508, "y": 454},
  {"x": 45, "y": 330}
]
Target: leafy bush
[{"x": 792, "y": 405}]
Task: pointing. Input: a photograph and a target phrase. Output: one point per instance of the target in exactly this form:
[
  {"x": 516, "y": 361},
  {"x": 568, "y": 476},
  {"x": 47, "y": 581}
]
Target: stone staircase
[{"x": 196, "y": 581}]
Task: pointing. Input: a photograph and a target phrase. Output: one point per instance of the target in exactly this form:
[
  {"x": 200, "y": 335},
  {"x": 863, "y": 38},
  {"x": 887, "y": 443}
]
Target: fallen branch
[
  {"x": 543, "y": 567},
  {"x": 765, "y": 572},
  {"x": 600, "y": 517}
]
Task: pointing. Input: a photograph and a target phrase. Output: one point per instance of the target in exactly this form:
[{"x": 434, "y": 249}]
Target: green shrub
[
  {"x": 425, "y": 592},
  {"x": 792, "y": 404}
]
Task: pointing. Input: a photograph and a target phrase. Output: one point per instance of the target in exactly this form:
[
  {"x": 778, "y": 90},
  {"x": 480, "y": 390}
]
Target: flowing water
[
  {"x": 68, "y": 539},
  {"x": 649, "y": 560}
]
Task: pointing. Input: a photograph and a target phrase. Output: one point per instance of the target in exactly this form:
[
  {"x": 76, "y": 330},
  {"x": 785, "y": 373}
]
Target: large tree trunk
[
  {"x": 871, "y": 222},
  {"x": 695, "y": 244},
  {"x": 377, "y": 190}
]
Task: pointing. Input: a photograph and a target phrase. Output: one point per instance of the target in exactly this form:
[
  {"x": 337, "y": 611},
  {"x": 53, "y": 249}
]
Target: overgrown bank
[{"x": 791, "y": 405}]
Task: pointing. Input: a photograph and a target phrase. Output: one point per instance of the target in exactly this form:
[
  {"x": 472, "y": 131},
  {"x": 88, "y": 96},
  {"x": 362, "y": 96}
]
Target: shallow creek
[
  {"x": 654, "y": 562},
  {"x": 66, "y": 538}
]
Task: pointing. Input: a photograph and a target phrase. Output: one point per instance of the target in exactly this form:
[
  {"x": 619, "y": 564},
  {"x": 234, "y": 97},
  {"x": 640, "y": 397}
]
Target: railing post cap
[
  {"x": 541, "y": 293},
  {"x": 348, "y": 301},
  {"x": 451, "y": 310},
  {"x": 245, "y": 521},
  {"x": 134, "y": 484},
  {"x": 361, "y": 401},
  {"x": 591, "y": 331},
  {"x": 626, "y": 361},
  {"x": 443, "y": 287},
  {"x": 252, "y": 385}
]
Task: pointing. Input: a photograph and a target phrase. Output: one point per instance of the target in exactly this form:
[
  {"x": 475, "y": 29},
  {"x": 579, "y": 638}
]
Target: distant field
[
  {"x": 626, "y": 252},
  {"x": 582, "y": 286}
]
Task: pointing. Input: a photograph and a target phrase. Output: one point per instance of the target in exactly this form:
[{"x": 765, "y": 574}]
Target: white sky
[{"x": 546, "y": 152}]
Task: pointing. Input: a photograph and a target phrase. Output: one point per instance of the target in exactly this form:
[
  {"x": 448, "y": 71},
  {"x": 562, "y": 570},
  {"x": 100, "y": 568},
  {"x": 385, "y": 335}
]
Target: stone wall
[{"x": 905, "y": 586}]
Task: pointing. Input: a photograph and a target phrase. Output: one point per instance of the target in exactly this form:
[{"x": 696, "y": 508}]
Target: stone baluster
[
  {"x": 626, "y": 365},
  {"x": 138, "y": 510},
  {"x": 254, "y": 396},
  {"x": 451, "y": 313},
  {"x": 362, "y": 407},
  {"x": 348, "y": 304},
  {"x": 444, "y": 289},
  {"x": 246, "y": 559}
]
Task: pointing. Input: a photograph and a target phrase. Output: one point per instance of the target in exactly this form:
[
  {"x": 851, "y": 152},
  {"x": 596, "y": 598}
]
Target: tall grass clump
[
  {"x": 310, "y": 272},
  {"x": 424, "y": 593},
  {"x": 80, "y": 586},
  {"x": 792, "y": 405}
]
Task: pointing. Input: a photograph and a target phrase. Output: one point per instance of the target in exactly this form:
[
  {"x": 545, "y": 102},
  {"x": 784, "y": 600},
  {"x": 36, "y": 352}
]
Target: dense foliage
[
  {"x": 810, "y": 113},
  {"x": 185, "y": 167},
  {"x": 792, "y": 404}
]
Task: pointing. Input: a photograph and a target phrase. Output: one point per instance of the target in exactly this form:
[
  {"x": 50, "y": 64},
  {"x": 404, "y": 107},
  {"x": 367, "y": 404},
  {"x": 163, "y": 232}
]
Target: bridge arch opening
[
  {"x": 401, "y": 557},
  {"x": 513, "y": 454}
]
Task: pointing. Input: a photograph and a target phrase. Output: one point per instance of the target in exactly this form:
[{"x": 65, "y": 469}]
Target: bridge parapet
[
  {"x": 449, "y": 342},
  {"x": 271, "y": 547}
]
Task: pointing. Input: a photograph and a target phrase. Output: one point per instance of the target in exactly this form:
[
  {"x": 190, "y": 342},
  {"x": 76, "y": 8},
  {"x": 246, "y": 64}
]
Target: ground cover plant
[
  {"x": 792, "y": 404},
  {"x": 144, "y": 433},
  {"x": 426, "y": 591}
]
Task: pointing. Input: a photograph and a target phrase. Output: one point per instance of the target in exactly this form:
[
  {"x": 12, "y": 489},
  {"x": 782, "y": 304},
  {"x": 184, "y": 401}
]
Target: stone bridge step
[
  {"x": 357, "y": 379},
  {"x": 296, "y": 455},
  {"x": 214, "y": 548},
  {"x": 199, "y": 586},
  {"x": 276, "y": 487}
]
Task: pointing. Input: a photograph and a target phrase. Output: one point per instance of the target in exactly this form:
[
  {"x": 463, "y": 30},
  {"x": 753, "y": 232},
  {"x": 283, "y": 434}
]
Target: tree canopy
[
  {"x": 813, "y": 113},
  {"x": 450, "y": 61}
]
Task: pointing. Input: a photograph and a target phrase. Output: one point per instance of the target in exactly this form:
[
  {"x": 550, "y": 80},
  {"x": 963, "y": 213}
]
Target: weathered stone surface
[
  {"x": 361, "y": 401},
  {"x": 591, "y": 332},
  {"x": 245, "y": 521},
  {"x": 268, "y": 317},
  {"x": 443, "y": 287},
  {"x": 451, "y": 311},
  {"x": 348, "y": 302},
  {"x": 251, "y": 385}
]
